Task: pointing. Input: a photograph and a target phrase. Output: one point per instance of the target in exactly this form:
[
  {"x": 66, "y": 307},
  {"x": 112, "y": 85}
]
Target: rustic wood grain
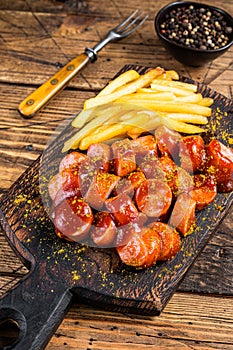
[{"x": 36, "y": 38}]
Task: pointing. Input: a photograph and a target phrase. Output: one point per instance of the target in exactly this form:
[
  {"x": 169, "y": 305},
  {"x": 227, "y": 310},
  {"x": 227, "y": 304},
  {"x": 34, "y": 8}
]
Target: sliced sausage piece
[
  {"x": 72, "y": 161},
  {"x": 153, "y": 197},
  {"x": 124, "y": 157},
  {"x": 130, "y": 183},
  {"x": 122, "y": 208},
  {"x": 54, "y": 185},
  {"x": 73, "y": 218},
  {"x": 124, "y": 186},
  {"x": 100, "y": 154},
  {"x": 104, "y": 230},
  {"x": 145, "y": 146},
  {"x": 204, "y": 191},
  {"x": 170, "y": 240},
  {"x": 100, "y": 188},
  {"x": 142, "y": 250},
  {"x": 70, "y": 181},
  {"x": 219, "y": 161},
  {"x": 182, "y": 182},
  {"x": 126, "y": 232},
  {"x": 151, "y": 168},
  {"x": 136, "y": 178},
  {"x": 169, "y": 169},
  {"x": 183, "y": 214},
  {"x": 87, "y": 172},
  {"x": 192, "y": 153},
  {"x": 226, "y": 186},
  {"x": 168, "y": 142}
]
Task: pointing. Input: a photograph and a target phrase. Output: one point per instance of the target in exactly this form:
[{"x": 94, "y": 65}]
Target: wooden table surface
[{"x": 36, "y": 38}]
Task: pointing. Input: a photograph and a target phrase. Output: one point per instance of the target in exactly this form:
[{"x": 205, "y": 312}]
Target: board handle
[
  {"x": 34, "y": 102},
  {"x": 37, "y": 306}
]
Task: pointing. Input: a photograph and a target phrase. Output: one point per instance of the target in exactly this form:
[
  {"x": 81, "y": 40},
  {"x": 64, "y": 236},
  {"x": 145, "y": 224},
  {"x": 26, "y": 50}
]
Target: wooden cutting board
[{"x": 59, "y": 269}]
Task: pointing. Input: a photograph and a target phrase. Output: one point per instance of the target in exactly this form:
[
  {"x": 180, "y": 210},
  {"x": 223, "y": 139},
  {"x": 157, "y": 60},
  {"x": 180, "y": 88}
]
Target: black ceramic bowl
[{"x": 191, "y": 56}]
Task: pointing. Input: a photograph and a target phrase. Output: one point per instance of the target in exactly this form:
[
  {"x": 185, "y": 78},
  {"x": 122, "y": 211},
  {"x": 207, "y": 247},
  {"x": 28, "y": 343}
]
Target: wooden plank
[
  {"x": 184, "y": 324},
  {"x": 91, "y": 6},
  {"x": 63, "y": 37}
]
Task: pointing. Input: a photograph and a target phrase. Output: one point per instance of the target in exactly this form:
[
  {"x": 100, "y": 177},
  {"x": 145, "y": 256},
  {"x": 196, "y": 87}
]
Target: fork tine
[
  {"x": 124, "y": 34},
  {"x": 136, "y": 19},
  {"x": 126, "y": 20}
]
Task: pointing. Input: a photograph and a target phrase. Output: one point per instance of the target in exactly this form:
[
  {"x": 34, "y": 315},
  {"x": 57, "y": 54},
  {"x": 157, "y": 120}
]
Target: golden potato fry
[
  {"x": 121, "y": 80},
  {"x": 143, "y": 81},
  {"x": 110, "y": 112},
  {"x": 176, "y": 84},
  {"x": 176, "y": 90},
  {"x": 174, "y": 107},
  {"x": 112, "y": 130},
  {"x": 181, "y": 126},
  {"x": 192, "y": 98},
  {"x": 83, "y": 117},
  {"x": 169, "y": 75},
  {"x": 163, "y": 96},
  {"x": 188, "y": 118},
  {"x": 206, "y": 101}
]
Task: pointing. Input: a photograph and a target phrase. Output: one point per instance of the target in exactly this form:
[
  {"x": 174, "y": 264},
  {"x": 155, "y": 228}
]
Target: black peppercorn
[{"x": 196, "y": 27}]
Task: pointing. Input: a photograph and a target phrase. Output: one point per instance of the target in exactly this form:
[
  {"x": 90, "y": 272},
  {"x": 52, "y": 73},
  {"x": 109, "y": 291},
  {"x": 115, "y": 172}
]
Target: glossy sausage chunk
[
  {"x": 182, "y": 182},
  {"x": 100, "y": 188},
  {"x": 192, "y": 153},
  {"x": 100, "y": 155},
  {"x": 130, "y": 183},
  {"x": 72, "y": 161},
  {"x": 145, "y": 146},
  {"x": 183, "y": 216},
  {"x": 153, "y": 197},
  {"x": 219, "y": 161},
  {"x": 170, "y": 240},
  {"x": 124, "y": 157},
  {"x": 168, "y": 141},
  {"x": 54, "y": 185},
  {"x": 143, "y": 250},
  {"x": 104, "y": 230},
  {"x": 122, "y": 208},
  {"x": 73, "y": 218},
  {"x": 204, "y": 191}
]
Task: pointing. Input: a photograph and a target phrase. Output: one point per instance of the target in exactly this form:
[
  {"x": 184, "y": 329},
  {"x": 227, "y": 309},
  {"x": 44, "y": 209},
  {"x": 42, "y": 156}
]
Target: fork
[{"x": 35, "y": 101}]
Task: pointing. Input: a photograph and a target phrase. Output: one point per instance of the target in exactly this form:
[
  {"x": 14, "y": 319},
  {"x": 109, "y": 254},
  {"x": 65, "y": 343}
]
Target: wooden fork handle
[{"x": 34, "y": 102}]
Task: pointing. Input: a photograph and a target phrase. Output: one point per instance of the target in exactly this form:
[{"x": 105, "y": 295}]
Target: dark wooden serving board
[{"x": 59, "y": 269}]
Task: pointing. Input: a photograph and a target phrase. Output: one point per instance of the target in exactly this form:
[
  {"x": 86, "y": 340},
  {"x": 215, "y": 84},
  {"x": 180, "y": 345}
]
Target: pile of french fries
[{"x": 132, "y": 104}]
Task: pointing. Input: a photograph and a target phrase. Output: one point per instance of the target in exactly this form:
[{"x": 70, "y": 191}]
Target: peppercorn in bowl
[{"x": 194, "y": 33}]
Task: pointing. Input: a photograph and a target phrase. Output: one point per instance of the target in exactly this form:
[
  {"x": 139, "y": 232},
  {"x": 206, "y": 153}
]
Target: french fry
[
  {"x": 181, "y": 126},
  {"x": 174, "y": 107},
  {"x": 177, "y": 91},
  {"x": 73, "y": 142},
  {"x": 169, "y": 75},
  {"x": 147, "y": 115},
  {"x": 143, "y": 81},
  {"x": 192, "y": 98},
  {"x": 83, "y": 117},
  {"x": 152, "y": 96},
  {"x": 176, "y": 84},
  {"x": 206, "y": 101},
  {"x": 188, "y": 118},
  {"x": 121, "y": 80},
  {"x": 112, "y": 131}
]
